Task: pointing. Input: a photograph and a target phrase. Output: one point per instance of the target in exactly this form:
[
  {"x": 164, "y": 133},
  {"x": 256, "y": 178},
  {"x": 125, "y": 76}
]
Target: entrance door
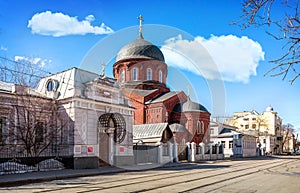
[{"x": 103, "y": 149}]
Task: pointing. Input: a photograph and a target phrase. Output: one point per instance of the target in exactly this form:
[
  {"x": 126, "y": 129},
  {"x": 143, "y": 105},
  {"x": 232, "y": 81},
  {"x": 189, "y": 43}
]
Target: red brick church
[{"x": 141, "y": 71}]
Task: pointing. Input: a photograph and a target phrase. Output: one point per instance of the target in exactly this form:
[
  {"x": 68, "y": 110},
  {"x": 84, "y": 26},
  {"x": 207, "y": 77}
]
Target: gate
[
  {"x": 182, "y": 152},
  {"x": 145, "y": 154}
]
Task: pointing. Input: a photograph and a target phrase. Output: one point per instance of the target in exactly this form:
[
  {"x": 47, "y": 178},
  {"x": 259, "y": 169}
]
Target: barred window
[{"x": 39, "y": 132}]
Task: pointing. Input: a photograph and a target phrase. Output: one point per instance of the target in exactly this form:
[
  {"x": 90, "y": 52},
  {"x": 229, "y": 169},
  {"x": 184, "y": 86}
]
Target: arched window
[
  {"x": 149, "y": 74},
  {"x": 134, "y": 74},
  {"x": 122, "y": 76},
  {"x": 198, "y": 127},
  {"x": 202, "y": 127},
  {"x": 160, "y": 76}
]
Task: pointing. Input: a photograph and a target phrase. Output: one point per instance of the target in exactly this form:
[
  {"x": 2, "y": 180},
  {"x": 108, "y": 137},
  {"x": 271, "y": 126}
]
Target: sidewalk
[{"x": 34, "y": 177}]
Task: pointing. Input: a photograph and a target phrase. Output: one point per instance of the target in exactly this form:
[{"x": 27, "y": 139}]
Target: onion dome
[{"x": 140, "y": 48}]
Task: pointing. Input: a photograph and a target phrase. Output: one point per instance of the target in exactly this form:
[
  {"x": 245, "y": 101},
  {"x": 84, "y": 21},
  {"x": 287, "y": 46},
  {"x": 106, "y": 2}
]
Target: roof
[
  {"x": 149, "y": 133},
  {"x": 141, "y": 92},
  {"x": 189, "y": 106},
  {"x": 164, "y": 97},
  {"x": 6, "y": 86},
  {"x": 176, "y": 127},
  {"x": 140, "y": 48},
  {"x": 228, "y": 132}
]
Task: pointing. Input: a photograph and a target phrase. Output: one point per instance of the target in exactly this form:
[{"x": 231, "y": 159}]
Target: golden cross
[{"x": 141, "y": 22}]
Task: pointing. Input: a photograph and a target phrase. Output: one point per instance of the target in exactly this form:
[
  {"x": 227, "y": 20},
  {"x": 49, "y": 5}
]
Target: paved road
[{"x": 280, "y": 174}]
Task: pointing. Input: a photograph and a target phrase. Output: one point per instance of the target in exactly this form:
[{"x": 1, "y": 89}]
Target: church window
[
  {"x": 160, "y": 76},
  {"x": 122, "y": 76},
  {"x": 134, "y": 74},
  {"x": 202, "y": 127},
  {"x": 198, "y": 127},
  {"x": 149, "y": 74}
]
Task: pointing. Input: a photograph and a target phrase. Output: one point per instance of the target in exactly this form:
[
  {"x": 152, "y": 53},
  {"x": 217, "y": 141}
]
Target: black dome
[
  {"x": 189, "y": 106},
  {"x": 140, "y": 48}
]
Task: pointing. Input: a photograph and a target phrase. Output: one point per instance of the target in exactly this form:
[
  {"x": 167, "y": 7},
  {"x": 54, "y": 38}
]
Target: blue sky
[{"x": 62, "y": 33}]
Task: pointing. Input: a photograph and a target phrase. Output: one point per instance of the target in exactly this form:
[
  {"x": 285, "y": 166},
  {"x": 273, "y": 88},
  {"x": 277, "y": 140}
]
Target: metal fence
[
  {"x": 145, "y": 153},
  {"x": 13, "y": 159}
]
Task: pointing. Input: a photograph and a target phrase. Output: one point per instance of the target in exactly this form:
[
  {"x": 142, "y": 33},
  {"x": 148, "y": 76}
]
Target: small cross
[
  {"x": 188, "y": 90},
  {"x": 103, "y": 69}
]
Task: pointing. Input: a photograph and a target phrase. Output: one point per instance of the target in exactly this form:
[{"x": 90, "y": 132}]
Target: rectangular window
[
  {"x": 39, "y": 132},
  {"x": 212, "y": 131},
  {"x": 223, "y": 143},
  {"x": 149, "y": 74},
  {"x": 160, "y": 76},
  {"x": 253, "y": 126},
  {"x": 230, "y": 144},
  {"x": 246, "y": 126},
  {"x": 1, "y": 132},
  {"x": 134, "y": 74},
  {"x": 264, "y": 140}
]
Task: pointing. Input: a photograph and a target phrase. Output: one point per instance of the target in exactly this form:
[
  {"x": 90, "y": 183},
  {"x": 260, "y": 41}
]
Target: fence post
[
  {"x": 188, "y": 151},
  {"x": 170, "y": 150},
  {"x": 217, "y": 150},
  {"x": 193, "y": 152},
  {"x": 222, "y": 146},
  {"x": 160, "y": 154},
  {"x": 175, "y": 155},
  {"x": 202, "y": 151},
  {"x": 210, "y": 150}
]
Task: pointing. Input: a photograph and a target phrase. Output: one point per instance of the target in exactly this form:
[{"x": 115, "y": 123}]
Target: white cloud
[
  {"x": 234, "y": 58},
  {"x": 59, "y": 24},
  {"x": 36, "y": 61},
  {"x": 3, "y": 48}
]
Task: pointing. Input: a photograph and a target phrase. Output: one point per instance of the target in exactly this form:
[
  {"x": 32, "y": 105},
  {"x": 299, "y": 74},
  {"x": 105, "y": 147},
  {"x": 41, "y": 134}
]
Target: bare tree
[
  {"x": 260, "y": 13},
  {"x": 287, "y": 135},
  {"x": 34, "y": 124},
  {"x": 26, "y": 72}
]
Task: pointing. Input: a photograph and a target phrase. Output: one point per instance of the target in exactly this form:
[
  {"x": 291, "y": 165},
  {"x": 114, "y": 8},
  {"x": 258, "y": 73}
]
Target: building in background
[
  {"x": 267, "y": 126},
  {"x": 235, "y": 143}
]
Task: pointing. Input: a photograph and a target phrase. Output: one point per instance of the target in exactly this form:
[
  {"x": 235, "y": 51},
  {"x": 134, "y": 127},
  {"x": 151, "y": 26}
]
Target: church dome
[
  {"x": 140, "y": 48},
  {"x": 189, "y": 106},
  {"x": 269, "y": 109}
]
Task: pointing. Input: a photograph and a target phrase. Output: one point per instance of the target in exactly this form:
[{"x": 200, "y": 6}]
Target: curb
[{"x": 36, "y": 179}]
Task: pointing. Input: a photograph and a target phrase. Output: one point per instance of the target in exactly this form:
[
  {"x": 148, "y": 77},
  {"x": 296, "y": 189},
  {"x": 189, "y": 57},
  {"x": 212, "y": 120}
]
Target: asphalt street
[{"x": 277, "y": 174}]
